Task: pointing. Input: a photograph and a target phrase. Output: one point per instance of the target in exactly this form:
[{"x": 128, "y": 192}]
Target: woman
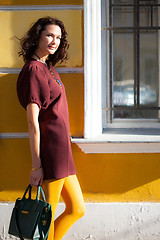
[{"x": 42, "y": 94}]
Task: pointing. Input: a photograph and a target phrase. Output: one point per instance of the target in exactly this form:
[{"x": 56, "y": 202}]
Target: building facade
[{"x": 112, "y": 86}]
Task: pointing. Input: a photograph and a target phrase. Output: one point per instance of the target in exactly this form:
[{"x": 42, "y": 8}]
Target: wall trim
[
  {"x": 92, "y": 69},
  {"x": 59, "y": 69},
  {"x": 122, "y": 221},
  {"x": 106, "y": 147},
  {"x": 14, "y": 135},
  {"x": 39, "y": 7}
]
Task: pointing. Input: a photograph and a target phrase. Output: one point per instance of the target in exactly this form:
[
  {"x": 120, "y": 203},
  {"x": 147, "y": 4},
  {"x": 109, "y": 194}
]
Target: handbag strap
[
  {"x": 39, "y": 189},
  {"x": 29, "y": 188}
]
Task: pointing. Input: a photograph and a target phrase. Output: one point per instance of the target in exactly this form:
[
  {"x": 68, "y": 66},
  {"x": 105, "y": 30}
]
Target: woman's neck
[{"x": 39, "y": 56}]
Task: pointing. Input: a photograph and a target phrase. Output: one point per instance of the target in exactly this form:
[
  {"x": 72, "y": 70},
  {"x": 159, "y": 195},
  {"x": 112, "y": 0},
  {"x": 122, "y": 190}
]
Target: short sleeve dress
[{"x": 36, "y": 84}]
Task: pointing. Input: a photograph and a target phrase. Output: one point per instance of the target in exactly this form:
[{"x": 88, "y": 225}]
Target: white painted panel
[{"x": 105, "y": 221}]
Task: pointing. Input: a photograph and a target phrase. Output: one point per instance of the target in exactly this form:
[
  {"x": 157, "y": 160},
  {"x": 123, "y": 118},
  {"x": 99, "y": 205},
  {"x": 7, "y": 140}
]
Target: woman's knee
[
  {"x": 77, "y": 211},
  {"x": 81, "y": 210}
]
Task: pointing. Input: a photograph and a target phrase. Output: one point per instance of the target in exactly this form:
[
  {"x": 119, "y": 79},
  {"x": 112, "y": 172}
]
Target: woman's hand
[{"x": 36, "y": 177}]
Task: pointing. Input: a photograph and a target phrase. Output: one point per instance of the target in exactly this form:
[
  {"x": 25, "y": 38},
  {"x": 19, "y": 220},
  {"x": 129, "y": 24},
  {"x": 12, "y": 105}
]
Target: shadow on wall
[
  {"x": 98, "y": 173},
  {"x": 13, "y": 116},
  {"x": 16, "y": 159},
  {"x": 15, "y": 164},
  {"x": 115, "y": 173},
  {"x": 15, "y": 154}
]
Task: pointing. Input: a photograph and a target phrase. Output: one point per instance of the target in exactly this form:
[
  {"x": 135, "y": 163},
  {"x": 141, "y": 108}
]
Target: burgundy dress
[{"x": 36, "y": 84}]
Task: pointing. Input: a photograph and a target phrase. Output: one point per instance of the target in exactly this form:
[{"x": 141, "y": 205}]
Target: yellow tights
[{"x": 71, "y": 193}]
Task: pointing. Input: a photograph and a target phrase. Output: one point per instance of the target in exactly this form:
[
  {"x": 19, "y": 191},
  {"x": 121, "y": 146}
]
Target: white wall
[{"x": 105, "y": 221}]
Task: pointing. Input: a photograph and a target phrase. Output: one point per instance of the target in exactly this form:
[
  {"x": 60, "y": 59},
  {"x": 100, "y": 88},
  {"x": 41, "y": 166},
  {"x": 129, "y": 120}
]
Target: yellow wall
[
  {"x": 103, "y": 177},
  {"x": 13, "y": 116},
  {"x": 41, "y": 2},
  {"x": 11, "y": 25}
]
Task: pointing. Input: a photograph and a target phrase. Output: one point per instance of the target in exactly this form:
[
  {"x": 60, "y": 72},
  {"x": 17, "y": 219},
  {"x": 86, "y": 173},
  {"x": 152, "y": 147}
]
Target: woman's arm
[{"x": 36, "y": 176}]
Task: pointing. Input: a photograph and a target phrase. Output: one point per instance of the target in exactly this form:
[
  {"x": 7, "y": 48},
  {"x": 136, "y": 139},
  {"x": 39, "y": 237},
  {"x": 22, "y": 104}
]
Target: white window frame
[
  {"x": 120, "y": 123},
  {"x": 92, "y": 68},
  {"x": 94, "y": 141}
]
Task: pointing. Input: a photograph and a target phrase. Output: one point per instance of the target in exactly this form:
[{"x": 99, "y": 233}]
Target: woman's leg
[
  {"x": 52, "y": 190},
  {"x": 75, "y": 208}
]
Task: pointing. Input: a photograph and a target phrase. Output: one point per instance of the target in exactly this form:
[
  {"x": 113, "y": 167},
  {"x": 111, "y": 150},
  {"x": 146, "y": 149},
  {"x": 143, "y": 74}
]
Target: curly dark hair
[{"x": 30, "y": 41}]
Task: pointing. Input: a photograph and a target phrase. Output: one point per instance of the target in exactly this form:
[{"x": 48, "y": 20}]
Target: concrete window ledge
[{"x": 122, "y": 141}]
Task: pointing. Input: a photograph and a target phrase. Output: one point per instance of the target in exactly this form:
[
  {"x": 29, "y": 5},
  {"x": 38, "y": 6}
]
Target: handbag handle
[
  {"x": 29, "y": 187},
  {"x": 39, "y": 189}
]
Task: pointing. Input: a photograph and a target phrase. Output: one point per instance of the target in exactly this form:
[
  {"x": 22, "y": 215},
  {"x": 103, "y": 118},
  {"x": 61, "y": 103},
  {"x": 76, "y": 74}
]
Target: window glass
[
  {"x": 148, "y": 16},
  {"x": 121, "y": 2},
  {"x": 134, "y": 80},
  {"x": 122, "y": 16},
  {"x": 149, "y": 83},
  {"x": 123, "y": 72},
  {"x": 135, "y": 114}
]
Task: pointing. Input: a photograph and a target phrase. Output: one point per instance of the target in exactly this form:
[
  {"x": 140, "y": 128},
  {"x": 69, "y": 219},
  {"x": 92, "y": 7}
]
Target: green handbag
[{"x": 31, "y": 218}]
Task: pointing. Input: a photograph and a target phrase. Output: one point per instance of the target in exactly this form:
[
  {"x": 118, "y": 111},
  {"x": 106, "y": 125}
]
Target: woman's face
[{"x": 49, "y": 40}]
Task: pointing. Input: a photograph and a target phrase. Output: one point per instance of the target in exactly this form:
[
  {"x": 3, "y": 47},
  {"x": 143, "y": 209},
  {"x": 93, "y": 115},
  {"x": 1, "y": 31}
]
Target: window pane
[
  {"x": 149, "y": 68},
  {"x": 133, "y": 80},
  {"x": 148, "y": 16},
  {"x": 144, "y": 2},
  {"x": 122, "y": 16},
  {"x": 122, "y": 2},
  {"x": 136, "y": 114},
  {"x": 123, "y": 72}
]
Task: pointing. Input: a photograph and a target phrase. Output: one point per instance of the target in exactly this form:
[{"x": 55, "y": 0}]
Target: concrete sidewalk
[{"x": 104, "y": 221}]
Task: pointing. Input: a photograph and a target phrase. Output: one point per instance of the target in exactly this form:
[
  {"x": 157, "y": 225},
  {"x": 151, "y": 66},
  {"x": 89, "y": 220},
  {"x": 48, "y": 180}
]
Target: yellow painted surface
[
  {"x": 118, "y": 177},
  {"x": 16, "y": 23},
  {"x": 74, "y": 91},
  {"x": 13, "y": 116},
  {"x": 15, "y": 167},
  {"x": 40, "y": 2},
  {"x": 103, "y": 177}
]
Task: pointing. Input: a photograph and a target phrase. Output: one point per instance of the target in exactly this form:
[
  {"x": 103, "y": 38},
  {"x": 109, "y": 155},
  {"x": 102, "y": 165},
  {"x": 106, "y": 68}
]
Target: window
[
  {"x": 130, "y": 63},
  {"x": 121, "y": 49}
]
